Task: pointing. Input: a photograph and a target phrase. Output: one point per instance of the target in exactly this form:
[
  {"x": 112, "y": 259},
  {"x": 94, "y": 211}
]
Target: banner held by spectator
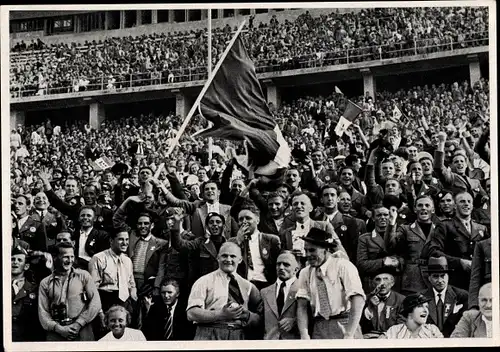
[{"x": 351, "y": 112}]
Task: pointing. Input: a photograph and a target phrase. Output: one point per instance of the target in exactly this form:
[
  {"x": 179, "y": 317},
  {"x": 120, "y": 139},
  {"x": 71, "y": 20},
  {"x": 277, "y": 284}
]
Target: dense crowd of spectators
[
  {"x": 161, "y": 58},
  {"x": 400, "y": 204}
]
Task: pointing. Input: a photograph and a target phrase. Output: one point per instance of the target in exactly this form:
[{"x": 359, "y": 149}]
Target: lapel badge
[
  {"x": 92, "y": 242},
  {"x": 100, "y": 219},
  {"x": 264, "y": 251},
  {"x": 403, "y": 216},
  {"x": 374, "y": 234},
  {"x": 481, "y": 233},
  {"x": 153, "y": 248},
  {"x": 32, "y": 229},
  {"x": 32, "y": 295},
  {"x": 327, "y": 178},
  {"x": 434, "y": 181},
  {"x": 54, "y": 224},
  {"x": 343, "y": 228},
  {"x": 413, "y": 226}
]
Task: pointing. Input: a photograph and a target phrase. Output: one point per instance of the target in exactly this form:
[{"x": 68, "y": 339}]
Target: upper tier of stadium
[{"x": 163, "y": 53}]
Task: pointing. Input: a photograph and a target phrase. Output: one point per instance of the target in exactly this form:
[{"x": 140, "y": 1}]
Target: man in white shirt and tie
[
  {"x": 89, "y": 240},
  {"x": 259, "y": 250},
  {"x": 280, "y": 304},
  {"x": 112, "y": 272},
  {"x": 291, "y": 237}
]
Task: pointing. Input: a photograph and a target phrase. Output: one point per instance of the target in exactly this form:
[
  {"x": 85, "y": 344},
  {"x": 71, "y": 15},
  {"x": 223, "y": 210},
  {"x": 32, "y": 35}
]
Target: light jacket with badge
[
  {"x": 455, "y": 303},
  {"x": 272, "y": 317},
  {"x": 451, "y": 239},
  {"x": 407, "y": 242}
]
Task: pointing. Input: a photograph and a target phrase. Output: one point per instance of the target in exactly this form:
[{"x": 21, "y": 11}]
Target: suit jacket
[
  {"x": 270, "y": 247},
  {"x": 470, "y": 325},
  {"x": 151, "y": 261},
  {"x": 53, "y": 225},
  {"x": 480, "y": 270},
  {"x": 97, "y": 241},
  {"x": 33, "y": 232},
  {"x": 452, "y": 240},
  {"x": 25, "y": 323},
  {"x": 287, "y": 239},
  {"x": 391, "y": 314},
  {"x": 272, "y": 316},
  {"x": 347, "y": 228},
  {"x": 455, "y": 303},
  {"x": 154, "y": 321},
  {"x": 173, "y": 263}
]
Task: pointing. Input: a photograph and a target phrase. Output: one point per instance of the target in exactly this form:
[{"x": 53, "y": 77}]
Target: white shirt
[
  {"x": 84, "y": 235},
  {"x": 443, "y": 295},
  {"x": 42, "y": 213},
  {"x": 278, "y": 223},
  {"x": 213, "y": 208},
  {"x": 488, "y": 326},
  {"x": 128, "y": 335},
  {"x": 257, "y": 273},
  {"x": 288, "y": 284},
  {"x": 21, "y": 221},
  {"x": 300, "y": 231},
  {"x": 331, "y": 216}
]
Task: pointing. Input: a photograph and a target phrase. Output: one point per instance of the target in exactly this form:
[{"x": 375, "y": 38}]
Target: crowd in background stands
[
  {"x": 369, "y": 196},
  {"x": 162, "y": 58}
]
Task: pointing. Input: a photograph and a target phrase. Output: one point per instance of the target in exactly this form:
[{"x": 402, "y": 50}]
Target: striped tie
[
  {"x": 168, "y": 324},
  {"x": 324, "y": 303}
]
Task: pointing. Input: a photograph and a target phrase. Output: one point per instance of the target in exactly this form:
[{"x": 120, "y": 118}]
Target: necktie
[
  {"x": 281, "y": 297},
  {"x": 324, "y": 303},
  {"x": 168, "y": 324},
  {"x": 467, "y": 226},
  {"x": 248, "y": 254},
  {"x": 234, "y": 290},
  {"x": 123, "y": 293},
  {"x": 439, "y": 309}
]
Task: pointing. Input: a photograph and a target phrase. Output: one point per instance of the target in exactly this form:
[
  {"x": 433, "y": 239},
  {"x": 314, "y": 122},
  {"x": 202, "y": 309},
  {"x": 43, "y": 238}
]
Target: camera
[{"x": 59, "y": 313}]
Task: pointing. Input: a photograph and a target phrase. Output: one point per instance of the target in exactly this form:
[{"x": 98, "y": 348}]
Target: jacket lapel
[
  {"x": 479, "y": 329},
  {"x": 271, "y": 299},
  {"x": 432, "y": 306},
  {"x": 291, "y": 296},
  {"x": 337, "y": 221},
  {"x": 461, "y": 228},
  {"x": 449, "y": 301},
  {"x": 152, "y": 246},
  {"x": 378, "y": 240},
  {"x": 418, "y": 231},
  {"x": 23, "y": 291},
  {"x": 210, "y": 247},
  {"x": 27, "y": 224},
  {"x": 477, "y": 233}
]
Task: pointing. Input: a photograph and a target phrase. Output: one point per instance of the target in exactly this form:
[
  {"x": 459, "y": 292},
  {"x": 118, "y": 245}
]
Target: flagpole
[
  {"x": 204, "y": 90},
  {"x": 209, "y": 69}
]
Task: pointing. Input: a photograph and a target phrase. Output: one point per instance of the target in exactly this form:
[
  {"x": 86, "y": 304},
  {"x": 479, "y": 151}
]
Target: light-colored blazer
[
  {"x": 471, "y": 325},
  {"x": 272, "y": 316}
]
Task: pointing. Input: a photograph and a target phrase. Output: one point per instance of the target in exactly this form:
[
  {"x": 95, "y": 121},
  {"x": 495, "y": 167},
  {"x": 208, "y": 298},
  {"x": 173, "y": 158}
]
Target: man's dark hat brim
[{"x": 323, "y": 244}]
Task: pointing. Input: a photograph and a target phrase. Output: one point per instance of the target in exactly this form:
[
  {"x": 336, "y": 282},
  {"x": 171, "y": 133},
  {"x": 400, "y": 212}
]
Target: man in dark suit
[
  {"x": 448, "y": 303},
  {"x": 53, "y": 224},
  {"x": 88, "y": 239},
  {"x": 383, "y": 306},
  {"x": 456, "y": 239},
  {"x": 280, "y": 304},
  {"x": 345, "y": 226},
  {"x": 317, "y": 172},
  {"x": 25, "y": 323},
  {"x": 480, "y": 270},
  {"x": 166, "y": 318},
  {"x": 30, "y": 230},
  {"x": 259, "y": 250},
  {"x": 141, "y": 249}
]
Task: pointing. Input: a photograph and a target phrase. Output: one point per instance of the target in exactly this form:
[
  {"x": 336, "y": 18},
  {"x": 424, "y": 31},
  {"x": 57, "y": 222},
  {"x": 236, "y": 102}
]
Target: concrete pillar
[
  {"x": 106, "y": 20},
  {"x": 181, "y": 103},
  {"x": 97, "y": 115},
  {"x": 17, "y": 117},
  {"x": 252, "y": 11},
  {"x": 154, "y": 16},
  {"x": 122, "y": 19},
  {"x": 474, "y": 69},
  {"x": 204, "y": 14},
  {"x": 220, "y": 13},
  {"x": 273, "y": 93},
  {"x": 369, "y": 84},
  {"x": 170, "y": 16},
  {"x": 138, "y": 17}
]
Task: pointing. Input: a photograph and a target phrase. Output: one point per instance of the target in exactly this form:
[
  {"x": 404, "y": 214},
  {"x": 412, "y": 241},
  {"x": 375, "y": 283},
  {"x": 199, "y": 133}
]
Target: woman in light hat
[{"x": 415, "y": 310}]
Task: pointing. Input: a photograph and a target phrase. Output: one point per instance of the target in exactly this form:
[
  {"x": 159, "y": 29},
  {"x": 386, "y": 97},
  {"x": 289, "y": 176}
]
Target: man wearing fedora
[
  {"x": 331, "y": 288},
  {"x": 383, "y": 305},
  {"x": 415, "y": 310},
  {"x": 447, "y": 303}
]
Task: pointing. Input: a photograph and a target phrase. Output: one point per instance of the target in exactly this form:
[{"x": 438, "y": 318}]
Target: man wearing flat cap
[
  {"x": 383, "y": 305},
  {"x": 329, "y": 286},
  {"x": 448, "y": 303},
  {"x": 415, "y": 310}
]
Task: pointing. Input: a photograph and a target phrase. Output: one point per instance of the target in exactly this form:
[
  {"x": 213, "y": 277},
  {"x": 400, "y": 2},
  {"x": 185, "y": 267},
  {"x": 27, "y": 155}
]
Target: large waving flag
[
  {"x": 351, "y": 112},
  {"x": 235, "y": 105}
]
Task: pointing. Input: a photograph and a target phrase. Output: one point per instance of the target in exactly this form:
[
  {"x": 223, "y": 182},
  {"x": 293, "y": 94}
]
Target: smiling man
[
  {"x": 478, "y": 323},
  {"x": 222, "y": 304}
]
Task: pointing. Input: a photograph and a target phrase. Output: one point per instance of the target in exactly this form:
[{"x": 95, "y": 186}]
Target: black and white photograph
[{"x": 184, "y": 173}]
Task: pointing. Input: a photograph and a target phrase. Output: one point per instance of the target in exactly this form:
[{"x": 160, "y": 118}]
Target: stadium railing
[{"x": 329, "y": 58}]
